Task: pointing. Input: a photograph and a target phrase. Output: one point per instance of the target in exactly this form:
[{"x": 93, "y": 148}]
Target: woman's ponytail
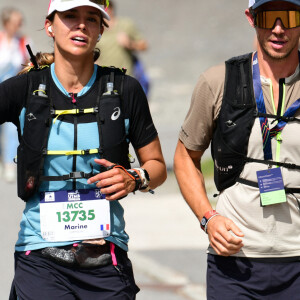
[{"x": 42, "y": 59}]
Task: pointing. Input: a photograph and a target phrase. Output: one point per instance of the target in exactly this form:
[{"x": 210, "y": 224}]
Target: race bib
[{"x": 74, "y": 215}]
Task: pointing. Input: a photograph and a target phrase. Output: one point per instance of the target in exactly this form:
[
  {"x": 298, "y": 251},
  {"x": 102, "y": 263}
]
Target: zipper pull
[{"x": 73, "y": 97}]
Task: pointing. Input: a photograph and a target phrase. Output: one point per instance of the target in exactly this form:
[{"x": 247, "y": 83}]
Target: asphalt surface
[{"x": 167, "y": 247}]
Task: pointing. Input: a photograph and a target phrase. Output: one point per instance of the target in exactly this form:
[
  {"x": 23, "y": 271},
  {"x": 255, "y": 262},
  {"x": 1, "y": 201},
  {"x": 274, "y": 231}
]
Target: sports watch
[{"x": 207, "y": 216}]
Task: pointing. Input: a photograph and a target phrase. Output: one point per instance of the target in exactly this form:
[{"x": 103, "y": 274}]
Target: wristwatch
[
  {"x": 207, "y": 216},
  {"x": 145, "y": 178}
]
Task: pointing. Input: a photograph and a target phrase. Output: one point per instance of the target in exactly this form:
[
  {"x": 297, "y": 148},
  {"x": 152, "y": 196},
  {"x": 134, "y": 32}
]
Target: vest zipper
[
  {"x": 281, "y": 97},
  {"x": 75, "y": 138},
  {"x": 280, "y": 112}
]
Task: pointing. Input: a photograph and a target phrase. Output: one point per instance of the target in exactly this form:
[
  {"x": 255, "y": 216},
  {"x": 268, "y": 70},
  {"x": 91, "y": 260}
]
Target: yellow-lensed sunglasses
[{"x": 267, "y": 19}]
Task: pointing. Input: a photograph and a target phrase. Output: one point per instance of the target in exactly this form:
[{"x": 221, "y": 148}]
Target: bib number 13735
[{"x": 74, "y": 215}]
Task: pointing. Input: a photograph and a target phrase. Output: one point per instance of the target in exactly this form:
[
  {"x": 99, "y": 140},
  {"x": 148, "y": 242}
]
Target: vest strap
[
  {"x": 58, "y": 113},
  {"x": 71, "y": 152},
  {"x": 278, "y": 118},
  {"x": 75, "y": 111},
  {"x": 273, "y": 163},
  {"x": 72, "y": 175},
  {"x": 255, "y": 184}
]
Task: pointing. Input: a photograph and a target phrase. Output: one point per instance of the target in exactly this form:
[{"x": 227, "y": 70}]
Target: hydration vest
[
  {"x": 236, "y": 118},
  {"x": 40, "y": 113}
]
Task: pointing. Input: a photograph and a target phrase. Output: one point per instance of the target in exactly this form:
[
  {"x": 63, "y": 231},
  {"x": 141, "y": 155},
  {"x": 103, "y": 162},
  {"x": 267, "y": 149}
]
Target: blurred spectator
[
  {"x": 119, "y": 46},
  {"x": 13, "y": 54}
]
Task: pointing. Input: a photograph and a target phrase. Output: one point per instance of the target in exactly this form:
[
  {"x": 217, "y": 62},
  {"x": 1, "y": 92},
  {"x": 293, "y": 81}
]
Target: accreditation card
[
  {"x": 74, "y": 215},
  {"x": 271, "y": 187}
]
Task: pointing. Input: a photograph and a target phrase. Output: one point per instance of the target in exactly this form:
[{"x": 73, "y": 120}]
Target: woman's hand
[{"x": 115, "y": 183}]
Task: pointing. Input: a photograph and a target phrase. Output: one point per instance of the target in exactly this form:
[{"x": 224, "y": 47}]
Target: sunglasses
[{"x": 267, "y": 19}]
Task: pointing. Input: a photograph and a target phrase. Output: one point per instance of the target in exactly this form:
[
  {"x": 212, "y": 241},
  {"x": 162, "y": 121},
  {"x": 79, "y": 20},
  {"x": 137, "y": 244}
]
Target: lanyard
[
  {"x": 260, "y": 103},
  {"x": 267, "y": 134}
]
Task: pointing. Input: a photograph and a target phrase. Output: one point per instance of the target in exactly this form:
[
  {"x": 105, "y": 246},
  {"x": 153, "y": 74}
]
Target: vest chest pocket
[
  {"x": 34, "y": 139},
  {"x": 112, "y": 130},
  {"x": 111, "y": 121},
  {"x": 36, "y": 122}
]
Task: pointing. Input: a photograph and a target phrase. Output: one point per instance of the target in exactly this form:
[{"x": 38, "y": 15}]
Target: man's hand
[
  {"x": 221, "y": 239},
  {"x": 115, "y": 183}
]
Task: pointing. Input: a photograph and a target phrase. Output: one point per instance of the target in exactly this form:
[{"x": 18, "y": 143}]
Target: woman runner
[{"x": 75, "y": 121}]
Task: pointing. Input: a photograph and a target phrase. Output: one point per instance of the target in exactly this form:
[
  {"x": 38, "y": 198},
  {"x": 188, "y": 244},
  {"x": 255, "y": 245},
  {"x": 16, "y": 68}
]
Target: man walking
[{"x": 249, "y": 109}]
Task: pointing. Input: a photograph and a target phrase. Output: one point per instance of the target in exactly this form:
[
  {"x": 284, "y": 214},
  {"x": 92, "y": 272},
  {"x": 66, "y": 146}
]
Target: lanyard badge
[{"x": 271, "y": 186}]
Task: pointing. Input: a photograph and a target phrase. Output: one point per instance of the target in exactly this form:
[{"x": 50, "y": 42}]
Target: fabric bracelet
[{"x": 205, "y": 228}]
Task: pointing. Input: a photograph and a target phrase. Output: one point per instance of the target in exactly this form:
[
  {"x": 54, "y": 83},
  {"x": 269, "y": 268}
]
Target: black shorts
[
  {"x": 231, "y": 278},
  {"x": 39, "y": 278}
]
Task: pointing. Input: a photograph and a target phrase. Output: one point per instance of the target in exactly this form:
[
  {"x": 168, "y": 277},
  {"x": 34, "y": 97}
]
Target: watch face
[{"x": 203, "y": 221}]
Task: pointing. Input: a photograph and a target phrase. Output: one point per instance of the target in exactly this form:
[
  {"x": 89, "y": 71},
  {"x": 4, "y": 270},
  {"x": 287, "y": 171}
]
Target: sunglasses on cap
[{"x": 267, "y": 19}]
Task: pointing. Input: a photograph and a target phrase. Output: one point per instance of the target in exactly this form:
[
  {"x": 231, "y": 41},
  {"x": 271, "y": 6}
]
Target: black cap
[{"x": 256, "y": 3}]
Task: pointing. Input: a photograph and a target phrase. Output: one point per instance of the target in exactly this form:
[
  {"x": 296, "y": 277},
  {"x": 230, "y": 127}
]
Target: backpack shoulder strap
[
  {"x": 109, "y": 74},
  {"x": 238, "y": 88}
]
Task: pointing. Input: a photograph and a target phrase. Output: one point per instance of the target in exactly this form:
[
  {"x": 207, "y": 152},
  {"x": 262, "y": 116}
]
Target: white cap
[{"x": 63, "y": 5}]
